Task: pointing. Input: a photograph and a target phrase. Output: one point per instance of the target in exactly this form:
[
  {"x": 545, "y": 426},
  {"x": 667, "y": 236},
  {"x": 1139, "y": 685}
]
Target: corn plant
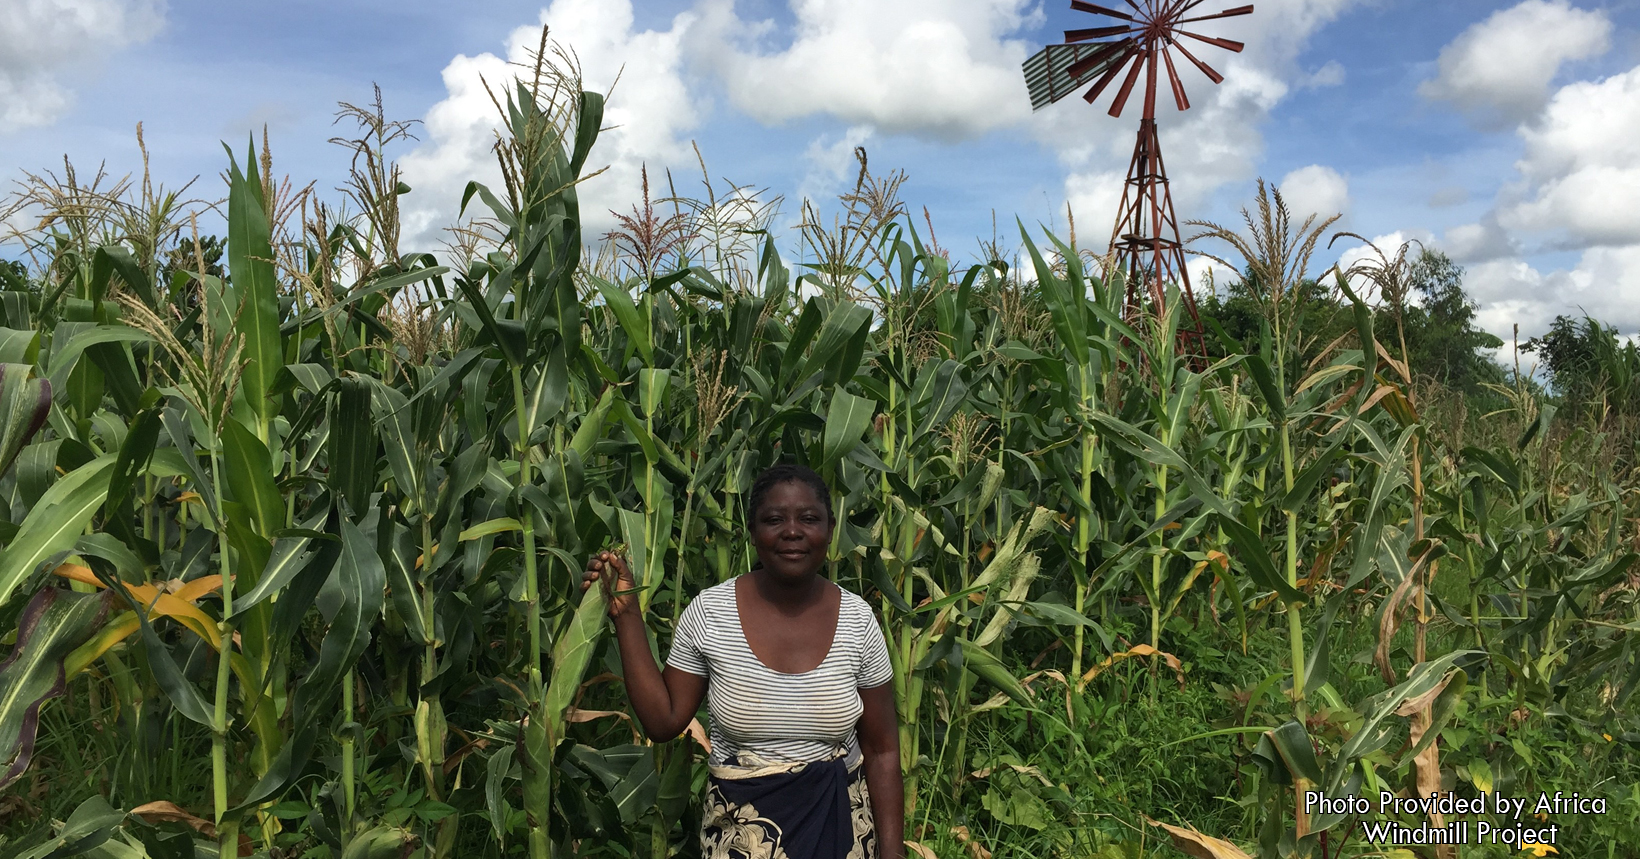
[{"x": 293, "y": 520}]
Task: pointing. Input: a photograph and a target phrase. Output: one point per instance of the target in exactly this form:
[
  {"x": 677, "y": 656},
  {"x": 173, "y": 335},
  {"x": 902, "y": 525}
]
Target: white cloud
[
  {"x": 1316, "y": 190},
  {"x": 42, "y": 39},
  {"x": 1451, "y": 195},
  {"x": 1500, "y": 69},
  {"x": 1581, "y": 169},
  {"x": 1329, "y": 75},
  {"x": 946, "y": 69},
  {"x": 648, "y": 113},
  {"x": 1482, "y": 242},
  {"x": 1093, "y": 198},
  {"x": 1605, "y": 284},
  {"x": 942, "y": 68},
  {"x": 1510, "y": 292},
  {"x": 1578, "y": 179},
  {"x": 832, "y": 163},
  {"x": 1208, "y": 276}
]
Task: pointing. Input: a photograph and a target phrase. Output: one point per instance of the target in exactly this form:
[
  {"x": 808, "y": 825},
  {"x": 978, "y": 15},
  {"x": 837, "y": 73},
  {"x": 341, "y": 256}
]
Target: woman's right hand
[{"x": 618, "y": 585}]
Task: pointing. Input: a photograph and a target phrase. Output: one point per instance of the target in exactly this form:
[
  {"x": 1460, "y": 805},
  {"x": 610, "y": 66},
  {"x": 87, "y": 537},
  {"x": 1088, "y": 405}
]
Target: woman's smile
[{"x": 792, "y": 530}]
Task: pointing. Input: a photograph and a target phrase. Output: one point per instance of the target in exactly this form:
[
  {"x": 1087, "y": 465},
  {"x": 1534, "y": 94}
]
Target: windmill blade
[
  {"x": 1186, "y": 5},
  {"x": 1127, "y": 85},
  {"x": 1228, "y": 13},
  {"x": 1098, "y": 89},
  {"x": 1080, "y": 69},
  {"x": 1091, "y": 33},
  {"x": 1179, "y": 98},
  {"x": 1228, "y": 44},
  {"x": 1058, "y": 71},
  {"x": 1212, "y": 75},
  {"x": 1080, "y": 6}
]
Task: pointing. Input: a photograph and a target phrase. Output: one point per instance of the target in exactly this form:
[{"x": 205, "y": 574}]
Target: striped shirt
[{"x": 770, "y": 714}]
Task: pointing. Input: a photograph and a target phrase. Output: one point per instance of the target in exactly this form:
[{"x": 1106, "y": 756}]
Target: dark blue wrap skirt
[{"x": 815, "y": 810}]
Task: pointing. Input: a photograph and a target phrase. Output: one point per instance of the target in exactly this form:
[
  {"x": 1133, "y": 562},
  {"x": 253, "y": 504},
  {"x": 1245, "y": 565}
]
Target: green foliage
[
  {"x": 1589, "y": 366},
  {"x": 1442, "y": 340},
  {"x": 1321, "y": 317},
  {"x": 336, "y": 508}
]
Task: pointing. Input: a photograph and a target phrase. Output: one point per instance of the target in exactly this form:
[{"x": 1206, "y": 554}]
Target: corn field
[{"x": 293, "y": 522}]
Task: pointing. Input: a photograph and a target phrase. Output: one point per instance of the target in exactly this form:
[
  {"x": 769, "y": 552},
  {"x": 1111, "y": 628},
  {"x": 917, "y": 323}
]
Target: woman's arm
[
  {"x": 664, "y": 703},
  {"x": 880, "y": 744}
]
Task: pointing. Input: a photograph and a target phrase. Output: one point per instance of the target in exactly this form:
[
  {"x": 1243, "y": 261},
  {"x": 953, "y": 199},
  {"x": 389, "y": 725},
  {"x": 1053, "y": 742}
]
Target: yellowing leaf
[
  {"x": 168, "y": 812},
  {"x": 976, "y": 850},
  {"x": 112, "y": 633},
  {"x": 697, "y": 732},
  {"x": 199, "y": 587},
  {"x": 176, "y": 606},
  {"x": 1324, "y": 375},
  {"x": 1137, "y": 650},
  {"x": 77, "y": 573},
  {"x": 1193, "y": 843}
]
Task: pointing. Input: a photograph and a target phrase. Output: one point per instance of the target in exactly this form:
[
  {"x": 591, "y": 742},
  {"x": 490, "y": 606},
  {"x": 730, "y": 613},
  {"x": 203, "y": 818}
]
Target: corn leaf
[
  {"x": 353, "y": 444},
  {"x": 571, "y": 653},
  {"x": 360, "y": 578},
  {"x": 1151, "y": 449},
  {"x": 628, "y": 316},
  {"x": 250, "y": 264},
  {"x": 18, "y": 347},
  {"x": 66, "y": 357},
  {"x": 24, "y": 405},
  {"x": 89, "y": 827},
  {"x": 847, "y": 418},
  {"x": 54, "y": 623},
  {"x": 55, "y": 523},
  {"x": 249, "y": 472},
  {"x": 1255, "y": 557},
  {"x": 986, "y": 665}
]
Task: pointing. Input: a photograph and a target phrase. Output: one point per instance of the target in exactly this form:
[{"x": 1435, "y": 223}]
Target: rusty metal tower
[{"x": 1145, "y": 242}]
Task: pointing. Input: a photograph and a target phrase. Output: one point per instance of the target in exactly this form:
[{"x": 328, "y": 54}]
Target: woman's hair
[{"x": 786, "y": 472}]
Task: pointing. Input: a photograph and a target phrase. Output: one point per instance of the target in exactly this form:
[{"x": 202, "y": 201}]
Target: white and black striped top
[{"x": 770, "y": 714}]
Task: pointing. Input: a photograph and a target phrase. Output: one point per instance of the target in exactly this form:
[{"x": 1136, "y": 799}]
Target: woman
[{"x": 805, "y": 760}]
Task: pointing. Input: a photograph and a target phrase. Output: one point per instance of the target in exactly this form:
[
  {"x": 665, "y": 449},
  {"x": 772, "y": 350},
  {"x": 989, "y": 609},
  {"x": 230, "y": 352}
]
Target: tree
[
  {"x": 1588, "y": 365},
  {"x": 1442, "y": 340},
  {"x": 1317, "y": 316}
]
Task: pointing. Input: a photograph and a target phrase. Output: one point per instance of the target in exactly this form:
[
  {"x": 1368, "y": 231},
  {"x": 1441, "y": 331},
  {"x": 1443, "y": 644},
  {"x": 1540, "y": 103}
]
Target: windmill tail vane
[{"x": 1136, "y": 47}]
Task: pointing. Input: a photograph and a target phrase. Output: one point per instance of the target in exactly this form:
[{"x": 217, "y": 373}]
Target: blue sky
[{"x": 1506, "y": 133}]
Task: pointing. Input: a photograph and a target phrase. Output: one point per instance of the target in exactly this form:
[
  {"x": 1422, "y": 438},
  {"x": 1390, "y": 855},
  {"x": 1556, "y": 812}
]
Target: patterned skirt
[{"x": 815, "y": 810}]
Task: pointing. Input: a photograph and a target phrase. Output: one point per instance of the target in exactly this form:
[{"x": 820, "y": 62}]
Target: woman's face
[{"x": 791, "y": 531}]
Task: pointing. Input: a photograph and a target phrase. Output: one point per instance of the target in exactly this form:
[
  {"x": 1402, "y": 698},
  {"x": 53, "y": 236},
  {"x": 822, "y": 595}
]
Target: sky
[{"x": 1505, "y": 134}]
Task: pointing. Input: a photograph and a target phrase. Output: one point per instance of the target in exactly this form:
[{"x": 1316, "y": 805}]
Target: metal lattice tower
[{"x": 1145, "y": 242}]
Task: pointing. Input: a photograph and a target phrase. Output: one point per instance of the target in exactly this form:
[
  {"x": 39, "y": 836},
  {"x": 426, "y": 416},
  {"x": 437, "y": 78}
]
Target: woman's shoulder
[
  {"x": 855, "y": 608},
  {"x": 712, "y": 599},
  {"x": 721, "y": 590}
]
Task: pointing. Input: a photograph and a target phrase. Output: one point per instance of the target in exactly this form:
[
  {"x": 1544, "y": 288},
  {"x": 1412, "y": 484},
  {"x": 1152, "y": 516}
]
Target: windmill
[{"x": 1145, "y": 242}]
